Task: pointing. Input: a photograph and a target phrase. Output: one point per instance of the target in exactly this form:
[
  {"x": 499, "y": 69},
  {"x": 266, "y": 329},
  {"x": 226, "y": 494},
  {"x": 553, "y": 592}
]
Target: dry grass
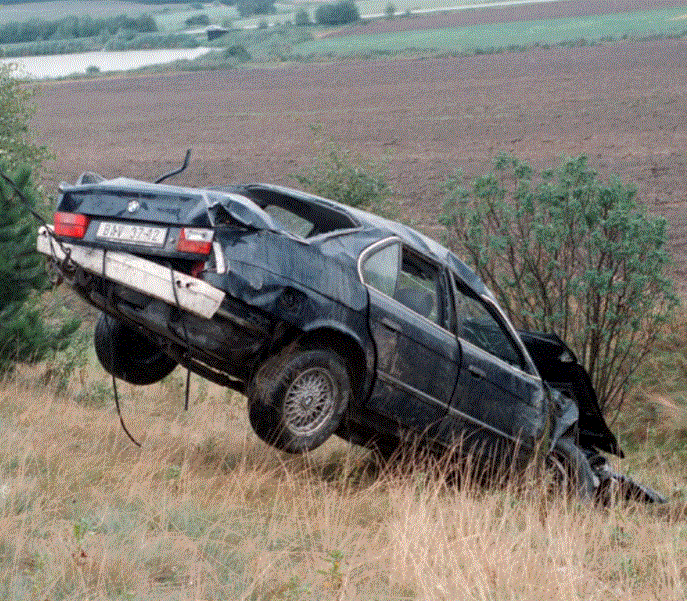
[{"x": 206, "y": 511}]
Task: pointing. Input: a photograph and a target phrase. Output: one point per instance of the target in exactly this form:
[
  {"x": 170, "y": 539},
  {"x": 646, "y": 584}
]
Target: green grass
[
  {"x": 463, "y": 39},
  {"x": 49, "y": 11},
  {"x": 374, "y": 7},
  {"x": 175, "y": 19}
]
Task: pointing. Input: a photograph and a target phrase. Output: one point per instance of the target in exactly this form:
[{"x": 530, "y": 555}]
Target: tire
[
  {"x": 573, "y": 469},
  {"x": 297, "y": 400},
  {"x": 129, "y": 355}
]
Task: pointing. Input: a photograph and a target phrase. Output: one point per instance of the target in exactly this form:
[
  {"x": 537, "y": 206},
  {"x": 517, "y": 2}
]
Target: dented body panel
[{"x": 429, "y": 353}]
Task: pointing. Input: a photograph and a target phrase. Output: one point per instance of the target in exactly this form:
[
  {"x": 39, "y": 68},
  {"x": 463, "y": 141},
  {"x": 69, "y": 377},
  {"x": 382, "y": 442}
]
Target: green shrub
[
  {"x": 338, "y": 13},
  {"x": 246, "y": 8},
  {"x": 17, "y": 142},
  {"x": 347, "y": 178},
  {"x": 198, "y": 20},
  {"x": 301, "y": 18},
  {"x": 23, "y": 334},
  {"x": 570, "y": 254},
  {"x": 237, "y": 51}
]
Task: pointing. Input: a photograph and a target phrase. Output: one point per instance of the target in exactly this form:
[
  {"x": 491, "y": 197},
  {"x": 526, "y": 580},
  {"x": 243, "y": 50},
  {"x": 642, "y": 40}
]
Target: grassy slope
[
  {"x": 206, "y": 511},
  {"x": 554, "y": 31}
]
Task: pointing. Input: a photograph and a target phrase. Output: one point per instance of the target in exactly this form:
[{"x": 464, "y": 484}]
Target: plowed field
[{"x": 622, "y": 104}]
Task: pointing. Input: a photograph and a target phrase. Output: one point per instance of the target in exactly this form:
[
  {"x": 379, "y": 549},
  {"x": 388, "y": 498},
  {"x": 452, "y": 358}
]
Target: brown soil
[{"x": 623, "y": 105}]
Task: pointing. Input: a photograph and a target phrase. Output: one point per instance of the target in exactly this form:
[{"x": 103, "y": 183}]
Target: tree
[
  {"x": 390, "y": 10},
  {"x": 17, "y": 143},
  {"x": 301, "y": 18},
  {"x": 246, "y": 8},
  {"x": 23, "y": 333},
  {"x": 339, "y": 13},
  {"x": 570, "y": 254},
  {"x": 201, "y": 20}
]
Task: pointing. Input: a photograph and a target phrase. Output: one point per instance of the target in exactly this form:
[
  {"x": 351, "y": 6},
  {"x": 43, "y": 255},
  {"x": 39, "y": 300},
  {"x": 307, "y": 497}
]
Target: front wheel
[{"x": 297, "y": 400}]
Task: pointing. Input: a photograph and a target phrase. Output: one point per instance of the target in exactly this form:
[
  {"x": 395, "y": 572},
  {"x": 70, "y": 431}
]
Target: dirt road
[{"x": 623, "y": 105}]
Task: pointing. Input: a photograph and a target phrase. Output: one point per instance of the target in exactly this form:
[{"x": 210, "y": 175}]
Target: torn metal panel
[{"x": 330, "y": 320}]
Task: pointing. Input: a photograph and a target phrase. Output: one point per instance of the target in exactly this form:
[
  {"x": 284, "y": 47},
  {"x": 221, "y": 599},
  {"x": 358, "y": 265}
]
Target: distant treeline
[
  {"x": 37, "y": 30},
  {"x": 132, "y": 1}
]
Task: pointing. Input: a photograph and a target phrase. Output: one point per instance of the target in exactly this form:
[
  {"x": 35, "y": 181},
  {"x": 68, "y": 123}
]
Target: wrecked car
[{"x": 331, "y": 320}]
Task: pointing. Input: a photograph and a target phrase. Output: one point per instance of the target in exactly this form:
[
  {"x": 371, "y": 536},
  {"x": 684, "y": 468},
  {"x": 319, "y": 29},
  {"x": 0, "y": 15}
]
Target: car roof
[
  {"x": 372, "y": 228},
  {"x": 351, "y": 236}
]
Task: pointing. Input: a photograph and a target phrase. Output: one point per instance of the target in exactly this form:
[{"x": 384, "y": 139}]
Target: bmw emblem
[{"x": 133, "y": 206}]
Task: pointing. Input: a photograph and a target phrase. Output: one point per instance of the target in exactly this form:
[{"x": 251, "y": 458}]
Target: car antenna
[{"x": 171, "y": 173}]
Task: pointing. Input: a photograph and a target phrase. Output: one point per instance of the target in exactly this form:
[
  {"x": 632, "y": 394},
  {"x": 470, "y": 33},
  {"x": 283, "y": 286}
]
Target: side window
[
  {"x": 417, "y": 286},
  {"x": 381, "y": 268},
  {"x": 408, "y": 278},
  {"x": 478, "y": 326}
]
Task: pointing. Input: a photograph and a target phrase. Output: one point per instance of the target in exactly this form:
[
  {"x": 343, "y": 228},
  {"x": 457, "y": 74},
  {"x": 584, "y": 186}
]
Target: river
[{"x": 61, "y": 65}]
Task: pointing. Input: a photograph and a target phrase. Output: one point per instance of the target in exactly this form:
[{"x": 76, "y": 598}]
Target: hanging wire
[
  {"x": 112, "y": 366},
  {"x": 64, "y": 264}
]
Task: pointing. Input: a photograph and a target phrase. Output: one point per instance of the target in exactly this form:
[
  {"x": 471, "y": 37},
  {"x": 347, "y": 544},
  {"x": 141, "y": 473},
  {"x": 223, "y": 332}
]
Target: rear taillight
[
  {"x": 71, "y": 224},
  {"x": 195, "y": 240}
]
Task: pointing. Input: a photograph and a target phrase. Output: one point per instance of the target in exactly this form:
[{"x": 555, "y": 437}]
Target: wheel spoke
[{"x": 310, "y": 401}]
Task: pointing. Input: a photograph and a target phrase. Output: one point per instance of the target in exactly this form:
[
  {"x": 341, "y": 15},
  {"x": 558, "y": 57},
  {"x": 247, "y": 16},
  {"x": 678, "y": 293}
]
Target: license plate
[{"x": 132, "y": 234}]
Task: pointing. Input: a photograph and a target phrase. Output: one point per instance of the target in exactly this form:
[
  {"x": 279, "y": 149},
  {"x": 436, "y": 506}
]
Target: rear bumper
[{"x": 149, "y": 278}]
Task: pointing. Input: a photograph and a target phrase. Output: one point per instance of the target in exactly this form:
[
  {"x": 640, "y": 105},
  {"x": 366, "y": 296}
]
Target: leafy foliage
[
  {"x": 24, "y": 335},
  {"x": 246, "y": 8},
  {"x": 337, "y": 13},
  {"x": 201, "y": 20},
  {"x": 301, "y": 18},
  {"x": 342, "y": 176},
  {"x": 36, "y": 30},
  {"x": 569, "y": 254},
  {"x": 17, "y": 144},
  {"x": 237, "y": 51}
]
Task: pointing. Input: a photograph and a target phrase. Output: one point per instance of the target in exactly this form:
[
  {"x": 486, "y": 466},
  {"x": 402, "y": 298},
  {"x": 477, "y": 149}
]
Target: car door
[
  {"x": 498, "y": 397},
  {"x": 417, "y": 354}
]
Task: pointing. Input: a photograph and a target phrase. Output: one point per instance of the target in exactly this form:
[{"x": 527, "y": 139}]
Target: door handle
[
  {"x": 391, "y": 324},
  {"x": 476, "y": 371}
]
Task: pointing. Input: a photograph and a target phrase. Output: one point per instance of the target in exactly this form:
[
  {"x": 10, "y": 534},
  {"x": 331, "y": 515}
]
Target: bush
[
  {"x": 152, "y": 40},
  {"x": 339, "y": 13},
  {"x": 17, "y": 144},
  {"x": 569, "y": 254},
  {"x": 237, "y": 51},
  {"x": 346, "y": 178},
  {"x": 198, "y": 20},
  {"x": 246, "y": 8},
  {"x": 301, "y": 18}
]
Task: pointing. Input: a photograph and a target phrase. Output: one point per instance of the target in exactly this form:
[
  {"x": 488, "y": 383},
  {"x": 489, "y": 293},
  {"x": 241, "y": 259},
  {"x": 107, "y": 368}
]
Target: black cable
[
  {"x": 112, "y": 366},
  {"x": 119, "y": 411},
  {"x": 36, "y": 215}
]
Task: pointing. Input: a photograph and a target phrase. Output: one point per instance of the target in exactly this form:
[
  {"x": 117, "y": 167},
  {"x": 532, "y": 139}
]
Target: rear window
[
  {"x": 301, "y": 217},
  {"x": 289, "y": 221}
]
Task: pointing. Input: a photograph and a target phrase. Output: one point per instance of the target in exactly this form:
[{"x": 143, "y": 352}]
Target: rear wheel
[
  {"x": 297, "y": 400},
  {"x": 129, "y": 355}
]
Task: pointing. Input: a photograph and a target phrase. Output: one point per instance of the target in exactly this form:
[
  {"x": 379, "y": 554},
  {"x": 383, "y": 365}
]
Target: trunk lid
[{"x": 154, "y": 219}]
